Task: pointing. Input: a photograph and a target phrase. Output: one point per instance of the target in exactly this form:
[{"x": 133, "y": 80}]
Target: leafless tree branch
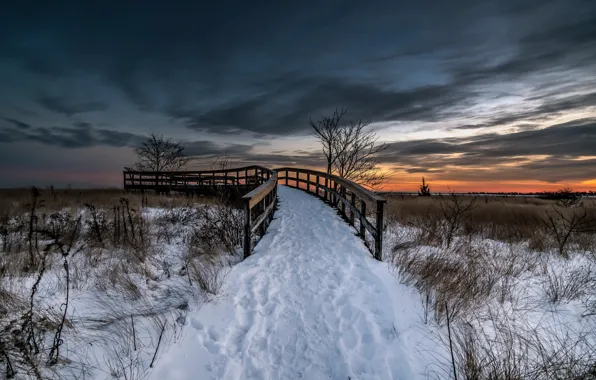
[
  {"x": 327, "y": 131},
  {"x": 355, "y": 151},
  {"x": 158, "y": 154}
]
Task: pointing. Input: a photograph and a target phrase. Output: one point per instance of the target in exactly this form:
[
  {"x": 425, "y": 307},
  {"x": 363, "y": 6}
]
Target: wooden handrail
[
  {"x": 187, "y": 172},
  {"x": 343, "y": 195},
  {"x": 361, "y": 191},
  {"x": 260, "y": 192},
  {"x": 265, "y": 196},
  {"x": 258, "y": 203}
]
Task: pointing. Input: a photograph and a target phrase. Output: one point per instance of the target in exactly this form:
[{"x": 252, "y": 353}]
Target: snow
[{"x": 310, "y": 303}]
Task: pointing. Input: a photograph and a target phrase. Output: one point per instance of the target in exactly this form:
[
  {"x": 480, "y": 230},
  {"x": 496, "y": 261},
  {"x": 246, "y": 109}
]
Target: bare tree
[
  {"x": 455, "y": 210},
  {"x": 356, "y": 149},
  {"x": 563, "y": 225},
  {"x": 158, "y": 154},
  {"x": 327, "y": 130},
  {"x": 221, "y": 162}
]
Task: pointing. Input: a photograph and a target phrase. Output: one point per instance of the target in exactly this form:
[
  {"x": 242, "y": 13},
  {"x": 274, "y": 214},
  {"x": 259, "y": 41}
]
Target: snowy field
[
  {"x": 132, "y": 274},
  {"x": 160, "y": 292}
]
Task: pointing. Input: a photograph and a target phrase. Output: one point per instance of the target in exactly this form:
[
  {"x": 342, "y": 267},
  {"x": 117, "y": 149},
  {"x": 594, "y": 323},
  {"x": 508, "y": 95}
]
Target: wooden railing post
[
  {"x": 287, "y": 175},
  {"x": 353, "y": 203},
  {"x": 326, "y": 187},
  {"x": 264, "y": 206},
  {"x": 343, "y": 202},
  {"x": 318, "y": 179},
  {"x": 379, "y": 235},
  {"x": 334, "y": 196},
  {"x": 308, "y": 182},
  {"x": 362, "y": 217},
  {"x": 247, "y": 229}
]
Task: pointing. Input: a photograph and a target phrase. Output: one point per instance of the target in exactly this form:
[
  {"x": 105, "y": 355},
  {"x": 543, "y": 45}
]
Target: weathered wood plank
[
  {"x": 260, "y": 192},
  {"x": 261, "y": 218}
]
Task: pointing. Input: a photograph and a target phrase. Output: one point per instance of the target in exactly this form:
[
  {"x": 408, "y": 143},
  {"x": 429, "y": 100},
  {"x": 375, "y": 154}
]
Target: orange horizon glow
[
  {"x": 486, "y": 186},
  {"x": 398, "y": 182},
  {"x": 410, "y": 182}
]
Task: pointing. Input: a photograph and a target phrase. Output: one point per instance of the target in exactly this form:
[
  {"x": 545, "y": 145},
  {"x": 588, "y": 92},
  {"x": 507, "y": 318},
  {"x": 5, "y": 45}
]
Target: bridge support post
[
  {"x": 362, "y": 217},
  {"x": 343, "y": 201},
  {"x": 353, "y": 202},
  {"x": 263, "y": 206},
  {"x": 334, "y": 195},
  {"x": 379, "y": 235},
  {"x": 247, "y": 232}
]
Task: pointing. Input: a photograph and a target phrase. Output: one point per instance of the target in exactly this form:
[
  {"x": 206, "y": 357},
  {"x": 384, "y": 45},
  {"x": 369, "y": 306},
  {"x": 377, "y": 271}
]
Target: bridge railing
[
  {"x": 351, "y": 200},
  {"x": 259, "y": 203},
  {"x": 259, "y": 207},
  {"x": 185, "y": 181}
]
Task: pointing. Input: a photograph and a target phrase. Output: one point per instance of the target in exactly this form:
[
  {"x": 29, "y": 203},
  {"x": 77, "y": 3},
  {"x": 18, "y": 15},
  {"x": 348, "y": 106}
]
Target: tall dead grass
[
  {"x": 485, "y": 273},
  {"x": 118, "y": 248},
  {"x": 506, "y": 219}
]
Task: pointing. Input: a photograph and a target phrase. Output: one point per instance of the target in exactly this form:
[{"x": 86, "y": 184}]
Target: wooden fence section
[
  {"x": 204, "y": 181},
  {"x": 259, "y": 207},
  {"x": 351, "y": 200}
]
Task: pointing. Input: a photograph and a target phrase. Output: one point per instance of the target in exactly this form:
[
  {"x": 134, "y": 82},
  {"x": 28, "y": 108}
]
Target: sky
[{"x": 473, "y": 95}]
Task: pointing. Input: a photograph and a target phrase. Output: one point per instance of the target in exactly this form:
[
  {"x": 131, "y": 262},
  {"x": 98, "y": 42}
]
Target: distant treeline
[{"x": 561, "y": 194}]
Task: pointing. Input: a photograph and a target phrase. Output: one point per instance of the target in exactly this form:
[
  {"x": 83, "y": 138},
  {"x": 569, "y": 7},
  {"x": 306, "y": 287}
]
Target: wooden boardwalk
[{"x": 360, "y": 207}]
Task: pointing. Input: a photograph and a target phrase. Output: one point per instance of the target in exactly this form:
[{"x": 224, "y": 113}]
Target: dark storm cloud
[
  {"x": 70, "y": 137},
  {"x": 206, "y": 148},
  {"x": 245, "y": 154},
  {"x": 199, "y": 54},
  {"x": 82, "y": 124},
  {"x": 71, "y": 107},
  {"x": 260, "y": 70},
  {"x": 318, "y": 96},
  {"x": 17, "y": 123}
]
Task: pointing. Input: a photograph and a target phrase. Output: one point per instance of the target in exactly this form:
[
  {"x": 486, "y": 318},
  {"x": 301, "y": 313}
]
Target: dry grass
[
  {"x": 507, "y": 219},
  {"x": 118, "y": 247},
  {"x": 59, "y": 199},
  {"x": 510, "y": 262}
]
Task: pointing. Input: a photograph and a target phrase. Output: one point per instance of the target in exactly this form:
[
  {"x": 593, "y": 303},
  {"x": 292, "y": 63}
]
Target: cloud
[
  {"x": 315, "y": 97},
  {"x": 17, "y": 123},
  {"x": 71, "y": 137},
  {"x": 70, "y": 108},
  {"x": 551, "y": 154},
  {"x": 422, "y": 170},
  {"x": 206, "y": 148}
]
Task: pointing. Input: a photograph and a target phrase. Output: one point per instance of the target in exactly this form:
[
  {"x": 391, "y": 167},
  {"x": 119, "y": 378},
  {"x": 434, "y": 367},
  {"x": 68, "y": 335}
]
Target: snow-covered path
[{"x": 310, "y": 303}]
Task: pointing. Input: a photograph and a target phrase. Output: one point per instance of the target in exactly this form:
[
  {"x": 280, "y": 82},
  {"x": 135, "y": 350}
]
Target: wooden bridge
[{"x": 359, "y": 207}]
